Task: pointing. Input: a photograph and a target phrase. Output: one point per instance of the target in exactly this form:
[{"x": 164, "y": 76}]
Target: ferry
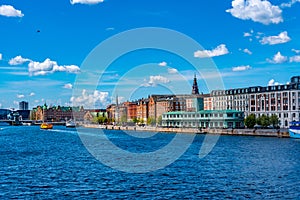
[
  {"x": 46, "y": 126},
  {"x": 294, "y": 129}
]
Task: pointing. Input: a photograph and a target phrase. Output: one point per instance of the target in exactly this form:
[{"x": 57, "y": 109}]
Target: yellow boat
[{"x": 46, "y": 126}]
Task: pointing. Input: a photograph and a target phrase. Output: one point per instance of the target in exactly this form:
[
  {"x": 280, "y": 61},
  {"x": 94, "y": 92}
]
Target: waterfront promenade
[{"x": 242, "y": 132}]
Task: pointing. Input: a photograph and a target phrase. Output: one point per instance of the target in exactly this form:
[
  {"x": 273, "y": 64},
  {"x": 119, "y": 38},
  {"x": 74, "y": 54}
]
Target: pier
[{"x": 281, "y": 133}]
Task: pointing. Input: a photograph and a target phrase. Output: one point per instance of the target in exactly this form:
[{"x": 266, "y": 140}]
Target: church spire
[{"x": 195, "y": 86}]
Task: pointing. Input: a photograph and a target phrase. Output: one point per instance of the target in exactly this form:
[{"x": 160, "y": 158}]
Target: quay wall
[{"x": 240, "y": 132}]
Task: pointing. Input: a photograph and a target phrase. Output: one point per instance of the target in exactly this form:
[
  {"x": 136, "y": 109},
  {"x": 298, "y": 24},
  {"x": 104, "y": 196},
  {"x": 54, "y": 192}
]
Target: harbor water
[{"x": 55, "y": 164}]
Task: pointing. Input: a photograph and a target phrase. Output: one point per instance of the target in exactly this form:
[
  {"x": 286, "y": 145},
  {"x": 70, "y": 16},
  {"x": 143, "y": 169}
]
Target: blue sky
[{"x": 44, "y": 43}]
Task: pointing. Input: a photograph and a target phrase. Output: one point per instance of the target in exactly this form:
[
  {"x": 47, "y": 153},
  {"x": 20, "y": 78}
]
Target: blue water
[{"x": 54, "y": 164}]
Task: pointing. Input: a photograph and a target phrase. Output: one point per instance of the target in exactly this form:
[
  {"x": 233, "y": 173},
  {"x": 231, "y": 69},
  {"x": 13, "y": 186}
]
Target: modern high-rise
[{"x": 23, "y": 105}]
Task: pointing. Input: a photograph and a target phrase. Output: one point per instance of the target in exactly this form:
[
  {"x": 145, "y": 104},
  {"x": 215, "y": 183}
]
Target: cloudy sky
[{"x": 44, "y": 43}]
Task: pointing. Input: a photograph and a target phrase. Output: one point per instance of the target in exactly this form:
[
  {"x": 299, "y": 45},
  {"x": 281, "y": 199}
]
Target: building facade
[
  {"x": 281, "y": 100},
  {"x": 204, "y": 119}
]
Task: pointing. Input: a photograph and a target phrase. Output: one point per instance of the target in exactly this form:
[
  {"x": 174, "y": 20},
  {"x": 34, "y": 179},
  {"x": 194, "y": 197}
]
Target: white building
[{"x": 282, "y": 100}]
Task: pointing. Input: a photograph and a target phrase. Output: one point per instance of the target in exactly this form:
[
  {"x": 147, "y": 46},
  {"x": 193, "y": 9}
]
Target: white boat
[
  {"x": 294, "y": 129},
  {"x": 26, "y": 124},
  {"x": 70, "y": 124}
]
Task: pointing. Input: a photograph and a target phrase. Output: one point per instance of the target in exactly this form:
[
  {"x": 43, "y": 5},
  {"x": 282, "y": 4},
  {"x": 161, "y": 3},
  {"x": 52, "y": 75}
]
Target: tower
[
  {"x": 23, "y": 105},
  {"x": 195, "y": 86}
]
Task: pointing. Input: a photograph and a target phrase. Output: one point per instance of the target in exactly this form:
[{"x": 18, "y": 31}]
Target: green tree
[
  {"x": 151, "y": 121},
  {"x": 100, "y": 120},
  {"x": 123, "y": 118},
  {"x": 159, "y": 120},
  {"x": 135, "y": 120},
  {"x": 274, "y": 120},
  {"x": 264, "y": 120},
  {"x": 141, "y": 121},
  {"x": 250, "y": 121}
]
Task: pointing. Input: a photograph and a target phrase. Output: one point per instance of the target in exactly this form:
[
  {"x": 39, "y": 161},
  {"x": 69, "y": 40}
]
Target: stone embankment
[{"x": 242, "y": 132}]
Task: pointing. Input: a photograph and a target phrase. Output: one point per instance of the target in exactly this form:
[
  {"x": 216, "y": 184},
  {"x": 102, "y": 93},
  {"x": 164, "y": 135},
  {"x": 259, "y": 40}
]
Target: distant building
[
  {"x": 23, "y": 105},
  {"x": 62, "y": 113},
  {"x": 4, "y": 114},
  {"x": 24, "y": 114}
]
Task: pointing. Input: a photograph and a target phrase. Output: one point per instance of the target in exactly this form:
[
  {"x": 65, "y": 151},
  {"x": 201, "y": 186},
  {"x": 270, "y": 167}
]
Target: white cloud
[
  {"x": 10, "y": 11},
  {"x": 86, "y": 1},
  {"x": 279, "y": 39},
  {"x": 0, "y": 56},
  {"x": 295, "y": 58},
  {"x": 163, "y": 64},
  {"x": 158, "y": 79},
  {"x": 68, "y": 86},
  {"x": 18, "y": 60},
  {"x": 0, "y": 105},
  {"x": 31, "y": 94},
  {"x": 154, "y": 80},
  {"x": 247, "y": 51},
  {"x": 296, "y": 51},
  {"x": 49, "y": 66},
  {"x": 241, "y": 68},
  {"x": 278, "y": 58},
  {"x": 97, "y": 98},
  {"x": 20, "y": 96},
  {"x": 256, "y": 10},
  {"x": 272, "y": 82},
  {"x": 218, "y": 51},
  {"x": 289, "y": 4},
  {"x": 172, "y": 71},
  {"x": 247, "y": 34}
]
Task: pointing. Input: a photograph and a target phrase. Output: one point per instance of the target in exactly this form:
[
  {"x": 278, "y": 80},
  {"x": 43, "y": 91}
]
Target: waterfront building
[
  {"x": 130, "y": 110},
  {"x": 152, "y": 108},
  {"x": 24, "y": 114},
  {"x": 23, "y": 105},
  {"x": 142, "y": 110},
  {"x": 62, "y": 113},
  {"x": 281, "y": 100},
  {"x": 111, "y": 112},
  {"x": 4, "y": 114},
  {"x": 207, "y": 100},
  {"x": 159, "y": 104},
  {"x": 204, "y": 119}
]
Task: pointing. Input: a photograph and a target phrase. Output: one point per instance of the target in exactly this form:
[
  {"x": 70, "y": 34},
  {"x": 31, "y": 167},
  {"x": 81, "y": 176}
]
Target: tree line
[{"x": 264, "y": 121}]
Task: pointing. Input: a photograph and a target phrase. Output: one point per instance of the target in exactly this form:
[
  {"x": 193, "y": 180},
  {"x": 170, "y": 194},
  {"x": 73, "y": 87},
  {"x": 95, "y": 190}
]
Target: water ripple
[{"x": 55, "y": 165}]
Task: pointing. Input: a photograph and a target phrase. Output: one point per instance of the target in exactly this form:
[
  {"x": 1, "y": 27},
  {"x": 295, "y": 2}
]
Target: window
[{"x": 229, "y": 114}]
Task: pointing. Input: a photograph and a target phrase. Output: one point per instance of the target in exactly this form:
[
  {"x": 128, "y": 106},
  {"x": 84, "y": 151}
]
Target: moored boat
[
  {"x": 46, "y": 126},
  {"x": 70, "y": 124},
  {"x": 294, "y": 129},
  {"x": 26, "y": 124}
]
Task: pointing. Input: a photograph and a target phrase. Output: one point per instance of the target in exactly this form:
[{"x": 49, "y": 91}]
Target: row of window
[{"x": 216, "y": 115}]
